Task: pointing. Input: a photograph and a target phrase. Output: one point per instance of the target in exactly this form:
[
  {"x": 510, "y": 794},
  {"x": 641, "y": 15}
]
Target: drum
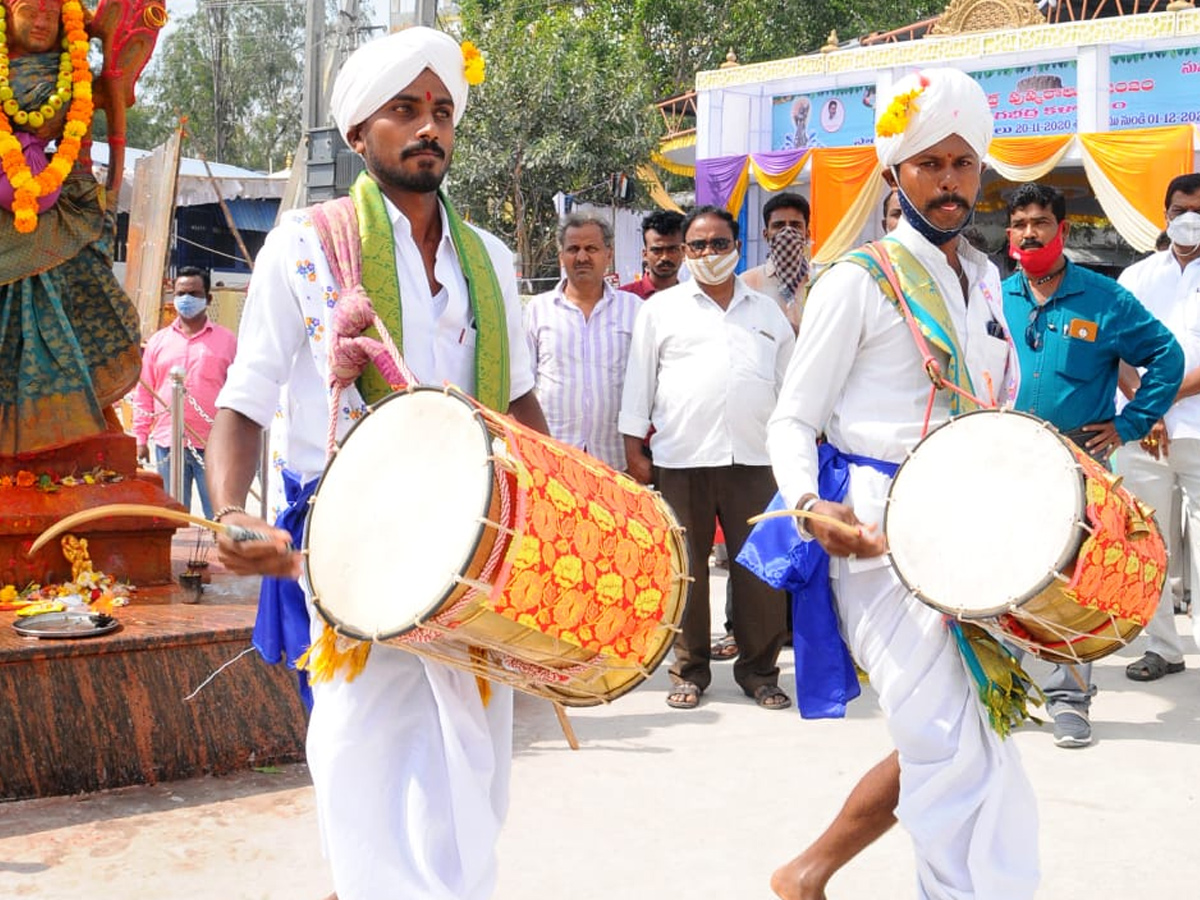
[
  {"x": 452, "y": 531},
  {"x": 996, "y": 518}
]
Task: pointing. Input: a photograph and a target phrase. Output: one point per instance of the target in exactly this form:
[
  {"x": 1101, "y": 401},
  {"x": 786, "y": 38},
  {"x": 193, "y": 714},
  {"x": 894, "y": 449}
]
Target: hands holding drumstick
[
  {"x": 259, "y": 549},
  {"x": 835, "y": 527}
]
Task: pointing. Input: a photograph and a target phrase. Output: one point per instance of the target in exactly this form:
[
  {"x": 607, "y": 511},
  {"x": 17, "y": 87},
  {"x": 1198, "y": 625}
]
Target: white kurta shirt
[
  {"x": 706, "y": 378},
  {"x": 1172, "y": 294},
  {"x": 410, "y": 770},
  {"x": 856, "y": 373},
  {"x": 579, "y": 367},
  {"x": 282, "y": 337}
]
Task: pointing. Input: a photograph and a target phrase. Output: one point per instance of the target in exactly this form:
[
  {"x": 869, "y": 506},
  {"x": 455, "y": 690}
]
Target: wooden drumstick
[
  {"x": 849, "y": 530},
  {"x": 233, "y": 532}
]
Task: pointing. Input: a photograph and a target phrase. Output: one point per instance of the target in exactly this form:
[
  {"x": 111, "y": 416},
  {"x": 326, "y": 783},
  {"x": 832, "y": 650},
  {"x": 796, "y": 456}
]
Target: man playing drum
[
  {"x": 409, "y": 764},
  {"x": 857, "y": 377}
]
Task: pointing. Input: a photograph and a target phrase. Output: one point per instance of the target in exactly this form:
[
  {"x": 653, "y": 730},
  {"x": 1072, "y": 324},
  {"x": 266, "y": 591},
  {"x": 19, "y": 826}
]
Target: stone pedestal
[{"x": 134, "y": 549}]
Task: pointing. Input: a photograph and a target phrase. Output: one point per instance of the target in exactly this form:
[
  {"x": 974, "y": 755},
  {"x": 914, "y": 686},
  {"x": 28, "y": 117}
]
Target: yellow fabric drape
[
  {"x": 1028, "y": 158},
  {"x": 846, "y": 185},
  {"x": 649, "y": 178},
  {"x": 738, "y": 196},
  {"x": 1130, "y": 170},
  {"x": 783, "y": 179},
  {"x": 668, "y": 165}
]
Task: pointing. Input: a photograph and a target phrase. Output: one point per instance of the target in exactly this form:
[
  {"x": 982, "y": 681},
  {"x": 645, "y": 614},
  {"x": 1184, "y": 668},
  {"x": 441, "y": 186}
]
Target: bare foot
[{"x": 795, "y": 880}]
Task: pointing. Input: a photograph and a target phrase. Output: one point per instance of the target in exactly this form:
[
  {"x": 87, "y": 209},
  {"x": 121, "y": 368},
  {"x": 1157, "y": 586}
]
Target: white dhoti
[
  {"x": 964, "y": 796},
  {"x": 411, "y": 775}
]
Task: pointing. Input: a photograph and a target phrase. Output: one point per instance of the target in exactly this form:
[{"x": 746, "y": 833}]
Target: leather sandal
[
  {"x": 771, "y": 696},
  {"x": 684, "y": 695},
  {"x": 1152, "y": 667}
]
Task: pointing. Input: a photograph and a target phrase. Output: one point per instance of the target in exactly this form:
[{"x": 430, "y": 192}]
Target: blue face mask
[
  {"x": 189, "y": 305},
  {"x": 929, "y": 231}
]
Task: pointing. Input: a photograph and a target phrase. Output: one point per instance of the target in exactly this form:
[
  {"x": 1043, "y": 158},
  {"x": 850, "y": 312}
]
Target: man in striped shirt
[{"x": 579, "y": 336}]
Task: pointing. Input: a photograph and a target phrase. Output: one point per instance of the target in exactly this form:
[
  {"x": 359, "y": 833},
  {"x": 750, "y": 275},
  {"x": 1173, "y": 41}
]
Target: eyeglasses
[
  {"x": 718, "y": 245},
  {"x": 1033, "y": 331}
]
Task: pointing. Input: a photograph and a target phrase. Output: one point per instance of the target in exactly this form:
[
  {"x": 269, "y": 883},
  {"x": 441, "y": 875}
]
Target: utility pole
[
  {"x": 412, "y": 12},
  {"x": 316, "y": 102}
]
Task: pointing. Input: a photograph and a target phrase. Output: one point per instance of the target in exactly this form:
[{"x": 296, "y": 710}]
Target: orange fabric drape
[
  {"x": 1141, "y": 162},
  {"x": 1027, "y": 151},
  {"x": 839, "y": 177}
]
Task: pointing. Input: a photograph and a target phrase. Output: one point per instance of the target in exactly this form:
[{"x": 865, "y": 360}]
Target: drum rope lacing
[{"x": 482, "y": 585}]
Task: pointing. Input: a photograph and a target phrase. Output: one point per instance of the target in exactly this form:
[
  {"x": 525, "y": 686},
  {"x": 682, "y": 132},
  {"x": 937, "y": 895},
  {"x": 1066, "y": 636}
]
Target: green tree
[
  {"x": 683, "y": 37},
  {"x": 567, "y": 103},
  {"x": 235, "y": 70}
]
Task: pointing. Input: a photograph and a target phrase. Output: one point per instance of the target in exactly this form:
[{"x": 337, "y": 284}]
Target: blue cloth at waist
[
  {"x": 826, "y": 679},
  {"x": 281, "y": 629}
]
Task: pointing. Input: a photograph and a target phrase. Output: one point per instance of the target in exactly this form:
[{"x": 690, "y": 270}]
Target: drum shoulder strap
[{"x": 336, "y": 225}]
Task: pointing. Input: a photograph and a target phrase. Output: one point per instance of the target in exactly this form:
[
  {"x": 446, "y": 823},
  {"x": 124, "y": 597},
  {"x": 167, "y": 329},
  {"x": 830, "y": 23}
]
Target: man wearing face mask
[
  {"x": 705, "y": 366},
  {"x": 857, "y": 377},
  {"x": 1168, "y": 284},
  {"x": 784, "y": 276},
  {"x": 204, "y": 350},
  {"x": 1079, "y": 327}
]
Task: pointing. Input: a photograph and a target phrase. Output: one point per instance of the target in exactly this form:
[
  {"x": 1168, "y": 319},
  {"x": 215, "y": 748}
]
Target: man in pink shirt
[{"x": 204, "y": 350}]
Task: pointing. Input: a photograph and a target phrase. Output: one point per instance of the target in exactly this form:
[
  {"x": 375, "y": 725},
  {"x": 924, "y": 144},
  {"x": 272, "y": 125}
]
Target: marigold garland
[
  {"x": 74, "y": 84},
  {"x": 474, "y": 69},
  {"x": 895, "y": 118}
]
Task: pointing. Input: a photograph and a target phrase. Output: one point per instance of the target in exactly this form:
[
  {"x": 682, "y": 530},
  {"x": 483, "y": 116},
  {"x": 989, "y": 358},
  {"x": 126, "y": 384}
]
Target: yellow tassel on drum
[
  {"x": 479, "y": 660},
  {"x": 332, "y": 655}
]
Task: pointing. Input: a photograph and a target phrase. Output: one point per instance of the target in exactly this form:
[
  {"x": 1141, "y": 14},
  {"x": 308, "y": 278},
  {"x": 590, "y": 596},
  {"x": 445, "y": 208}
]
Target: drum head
[
  {"x": 396, "y": 516},
  {"x": 984, "y": 512}
]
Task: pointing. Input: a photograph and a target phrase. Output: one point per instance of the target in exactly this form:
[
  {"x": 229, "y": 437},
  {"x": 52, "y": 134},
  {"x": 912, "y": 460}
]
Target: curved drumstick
[
  {"x": 850, "y": 530},
  {"x": 234, "y": 532}
]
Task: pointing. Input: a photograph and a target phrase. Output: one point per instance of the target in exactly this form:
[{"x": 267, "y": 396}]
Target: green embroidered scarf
[
  {"x": 928, "y": 309},
  {"x": 381, "y": 283}
]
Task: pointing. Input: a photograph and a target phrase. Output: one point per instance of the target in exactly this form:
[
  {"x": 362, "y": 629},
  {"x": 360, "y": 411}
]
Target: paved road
[{"x": 657, "y": 803}]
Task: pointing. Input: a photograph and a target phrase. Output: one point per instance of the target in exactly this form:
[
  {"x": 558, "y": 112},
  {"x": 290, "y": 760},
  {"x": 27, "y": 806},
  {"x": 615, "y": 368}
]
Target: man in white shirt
[
  {"x": 409, "y": 765},
  {"x": 705, "y": 366},
  {"x": 1168, "y": 284},
  {"x": 857, "y": 377},
  {"x": 579, "y": 337}
]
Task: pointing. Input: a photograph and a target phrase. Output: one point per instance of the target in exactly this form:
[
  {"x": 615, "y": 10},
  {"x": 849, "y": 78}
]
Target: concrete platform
[
  {"x": 657, "y": 803},
  {"x": 113, "y": 710}
]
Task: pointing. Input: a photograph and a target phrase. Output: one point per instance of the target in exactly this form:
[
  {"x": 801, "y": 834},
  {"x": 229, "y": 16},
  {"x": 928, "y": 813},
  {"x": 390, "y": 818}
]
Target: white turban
[
  {"x": 380, "y": 69},
  {"x": 926, "y": 107}
]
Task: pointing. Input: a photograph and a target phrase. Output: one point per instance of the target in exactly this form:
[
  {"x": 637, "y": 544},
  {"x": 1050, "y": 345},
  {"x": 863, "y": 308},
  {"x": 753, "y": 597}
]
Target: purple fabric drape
[
  {"x": 776, "y": 162},
  {"x": 716, "y": 178}
]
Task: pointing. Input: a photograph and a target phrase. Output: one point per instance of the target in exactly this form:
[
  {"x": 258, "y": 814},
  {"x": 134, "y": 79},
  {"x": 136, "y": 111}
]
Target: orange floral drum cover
[{"x": 595, "y": 560}]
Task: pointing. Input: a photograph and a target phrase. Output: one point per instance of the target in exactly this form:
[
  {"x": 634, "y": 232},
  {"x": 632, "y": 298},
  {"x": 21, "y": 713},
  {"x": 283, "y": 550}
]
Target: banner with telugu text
[
  {"x": 1158, "y": 88},
  {"x": 1032, "y": 100}
]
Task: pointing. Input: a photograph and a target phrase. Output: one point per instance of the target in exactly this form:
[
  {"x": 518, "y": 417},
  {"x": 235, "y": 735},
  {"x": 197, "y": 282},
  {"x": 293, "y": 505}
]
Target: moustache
[
  {"x": 423, "y": 147},
  {"x": 943, "y": 199},
  {"x": 1031, "y": 244}
]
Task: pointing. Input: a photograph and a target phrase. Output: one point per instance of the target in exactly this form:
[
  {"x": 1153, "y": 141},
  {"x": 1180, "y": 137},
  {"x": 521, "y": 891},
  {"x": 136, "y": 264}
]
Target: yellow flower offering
[
  {"x": 474, "y": 69},
  {"x": 895, "y": 118}
]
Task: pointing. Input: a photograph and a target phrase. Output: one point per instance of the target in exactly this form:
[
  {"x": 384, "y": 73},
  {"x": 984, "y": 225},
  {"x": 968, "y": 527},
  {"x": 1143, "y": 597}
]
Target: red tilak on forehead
[{"x": 428, "y": 97}]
